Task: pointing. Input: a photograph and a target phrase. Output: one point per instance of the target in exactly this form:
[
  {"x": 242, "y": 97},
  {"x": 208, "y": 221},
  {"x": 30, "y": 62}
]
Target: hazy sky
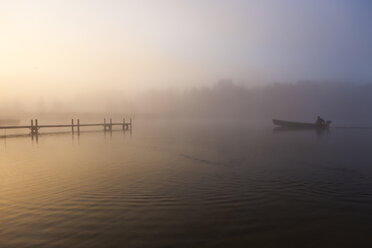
[{"x": 67, "y": 46}]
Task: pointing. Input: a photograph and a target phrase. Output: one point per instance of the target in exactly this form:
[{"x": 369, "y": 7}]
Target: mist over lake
[
  {"x": 343, "y": 103},
  {"x": 188, "y": 123}
]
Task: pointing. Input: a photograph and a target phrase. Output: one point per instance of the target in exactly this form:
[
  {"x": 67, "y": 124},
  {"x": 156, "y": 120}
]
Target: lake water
[{"x": 187, "y": 184}]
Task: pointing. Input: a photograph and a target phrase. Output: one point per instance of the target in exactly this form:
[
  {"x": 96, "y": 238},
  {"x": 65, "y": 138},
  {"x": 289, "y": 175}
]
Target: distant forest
[
  {"x": 343, "y": 102},
  {"x": 302, "y": 100}
]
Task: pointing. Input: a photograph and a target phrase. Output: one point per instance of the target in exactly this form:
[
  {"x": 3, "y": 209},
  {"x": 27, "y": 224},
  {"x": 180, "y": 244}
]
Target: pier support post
[
  {"x": 36, "y": 127},
  {"x": 123, "y": 123},
  {"x": 110, "y": 124},
  {"x": 72, "y": 125},
  {"x": 130, "y": 122},
  {"x": 32, "y": 127},
  {"x": 78, "y": 126}
]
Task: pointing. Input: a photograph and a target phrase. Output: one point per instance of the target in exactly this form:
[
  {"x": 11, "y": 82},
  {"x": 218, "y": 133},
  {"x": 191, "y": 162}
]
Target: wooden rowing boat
[{"x": 302, "y": 125}]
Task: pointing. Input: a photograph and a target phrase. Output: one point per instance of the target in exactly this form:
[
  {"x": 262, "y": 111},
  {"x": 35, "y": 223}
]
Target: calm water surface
[{"x": 187, "y": 184}]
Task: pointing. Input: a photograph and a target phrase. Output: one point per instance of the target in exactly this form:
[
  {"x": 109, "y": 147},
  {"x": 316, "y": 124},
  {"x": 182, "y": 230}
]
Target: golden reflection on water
[{"x": 183, "y": 184}]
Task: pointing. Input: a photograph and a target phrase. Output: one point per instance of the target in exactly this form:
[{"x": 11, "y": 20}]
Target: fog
[
  {"x": 165, "y": 58},
  {"x": 343, "y": 103}
]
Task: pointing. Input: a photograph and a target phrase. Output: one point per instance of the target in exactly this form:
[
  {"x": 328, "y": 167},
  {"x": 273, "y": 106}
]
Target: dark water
[{"x": 187, "y": 184}]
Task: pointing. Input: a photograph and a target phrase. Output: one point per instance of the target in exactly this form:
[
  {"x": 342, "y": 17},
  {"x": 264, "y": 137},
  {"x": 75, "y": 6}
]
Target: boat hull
[{"x": 300, "y": 125}]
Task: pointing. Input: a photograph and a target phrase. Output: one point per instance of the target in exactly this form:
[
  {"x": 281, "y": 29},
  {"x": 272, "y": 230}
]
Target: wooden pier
[{"x": 34, "y": 126}]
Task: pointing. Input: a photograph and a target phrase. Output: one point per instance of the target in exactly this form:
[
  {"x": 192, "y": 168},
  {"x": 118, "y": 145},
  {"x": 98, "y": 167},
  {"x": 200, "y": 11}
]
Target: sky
[{"x": 60, "y": 48}]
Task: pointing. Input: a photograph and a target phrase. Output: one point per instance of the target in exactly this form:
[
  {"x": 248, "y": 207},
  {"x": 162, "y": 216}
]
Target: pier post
[
  {"x": 72, "y": 125},
  {"x": 78, "y": 126},
  {"x": 130, "y": 121},
  {"x": 110, "y": 124},
  {"x": 123, "y": 123},
  {"x": 32, "y": 127},
  {"x": 36, "y": 127}
]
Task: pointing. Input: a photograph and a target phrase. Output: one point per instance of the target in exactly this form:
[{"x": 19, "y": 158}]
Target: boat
[{"x": 301, "y": 125}]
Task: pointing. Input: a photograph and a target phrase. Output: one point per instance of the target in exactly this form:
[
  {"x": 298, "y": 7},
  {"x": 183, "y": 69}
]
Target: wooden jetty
[{"x": 107, "y": 126}]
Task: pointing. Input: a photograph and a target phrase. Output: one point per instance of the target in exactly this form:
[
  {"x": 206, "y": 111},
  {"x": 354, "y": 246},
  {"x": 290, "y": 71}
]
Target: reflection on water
[
  {"x": 187, "y": 184},
  {"x": 289, "y": 129},
  {"x": 318, "y": 132}
]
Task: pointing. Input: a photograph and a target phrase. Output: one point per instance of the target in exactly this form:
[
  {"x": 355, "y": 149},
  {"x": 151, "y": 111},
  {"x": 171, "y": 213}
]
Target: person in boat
[{"x": 319, "y": 121}]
